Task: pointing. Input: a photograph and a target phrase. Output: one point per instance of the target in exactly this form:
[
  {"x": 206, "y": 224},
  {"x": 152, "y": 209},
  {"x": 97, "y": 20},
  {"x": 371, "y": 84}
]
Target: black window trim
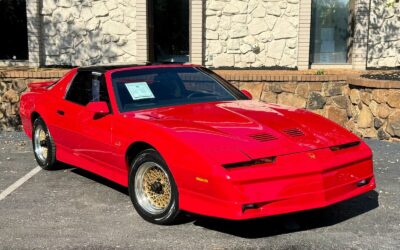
[{"x": 67, "y": 89}]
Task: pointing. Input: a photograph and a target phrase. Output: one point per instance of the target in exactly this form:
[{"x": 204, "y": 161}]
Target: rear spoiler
[{"x": 40, "y": 86}]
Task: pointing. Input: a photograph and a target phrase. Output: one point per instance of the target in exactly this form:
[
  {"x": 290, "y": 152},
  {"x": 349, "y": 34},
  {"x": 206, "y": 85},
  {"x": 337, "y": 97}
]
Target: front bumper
[{"x": 293, "y": 183}]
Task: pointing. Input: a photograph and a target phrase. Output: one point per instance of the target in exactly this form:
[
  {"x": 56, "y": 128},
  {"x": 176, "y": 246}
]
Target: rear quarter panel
[
  {"x": 42, "y": 101},
  {"x": 27, "y": 107}
]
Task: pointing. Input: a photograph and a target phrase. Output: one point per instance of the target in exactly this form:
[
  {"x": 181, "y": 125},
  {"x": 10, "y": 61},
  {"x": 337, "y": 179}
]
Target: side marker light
[{"x": 202, "y": 179}]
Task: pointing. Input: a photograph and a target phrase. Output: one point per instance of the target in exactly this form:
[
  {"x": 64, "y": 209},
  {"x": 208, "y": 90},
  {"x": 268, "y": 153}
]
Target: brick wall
[
  {"x": 34, "y": 32},
  {"x": 303, "y": 58}
]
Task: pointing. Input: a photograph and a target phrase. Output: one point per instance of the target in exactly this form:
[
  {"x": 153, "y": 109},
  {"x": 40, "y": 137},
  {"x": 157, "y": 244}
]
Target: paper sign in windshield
[{"x": 139, "y": 90}]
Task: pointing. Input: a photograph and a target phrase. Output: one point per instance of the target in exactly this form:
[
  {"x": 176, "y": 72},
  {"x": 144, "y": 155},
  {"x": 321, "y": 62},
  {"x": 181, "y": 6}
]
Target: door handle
[{"x": 60, "y": 112}]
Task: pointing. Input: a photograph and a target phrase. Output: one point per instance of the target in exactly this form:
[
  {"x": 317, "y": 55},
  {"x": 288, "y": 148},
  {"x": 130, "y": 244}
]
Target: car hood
[{"x": 254, "y": 128}]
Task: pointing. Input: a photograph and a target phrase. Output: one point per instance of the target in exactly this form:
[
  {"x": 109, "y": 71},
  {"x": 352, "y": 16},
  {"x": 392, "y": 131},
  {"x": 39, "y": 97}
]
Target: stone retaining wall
[
  {"x": 10, "y": 91},
  {"x": 369, "y": 112},
  {"x": 375, "y": 111},
  {"x": 12, "y": 84},
  {"x": 369, "y": 109}
]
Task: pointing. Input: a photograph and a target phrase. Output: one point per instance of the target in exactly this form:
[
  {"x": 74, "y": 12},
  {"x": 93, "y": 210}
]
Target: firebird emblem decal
[{"x": 312, "y": 155}]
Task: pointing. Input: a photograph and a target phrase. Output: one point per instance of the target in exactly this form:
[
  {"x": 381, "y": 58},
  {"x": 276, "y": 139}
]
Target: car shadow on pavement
[
  {"x": 100, "y": 180},
  {"x": 268, "y": 226},
  {"x": 91, "y": 176},
  {"x": 294, "y": 222}
]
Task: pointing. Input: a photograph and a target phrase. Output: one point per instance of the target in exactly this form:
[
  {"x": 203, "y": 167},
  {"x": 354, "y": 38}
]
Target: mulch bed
[{"x": 384, "y": 76}]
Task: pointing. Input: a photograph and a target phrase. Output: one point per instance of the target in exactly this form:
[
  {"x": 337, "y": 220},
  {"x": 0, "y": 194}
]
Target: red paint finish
[{"x": 196, "y": 140}]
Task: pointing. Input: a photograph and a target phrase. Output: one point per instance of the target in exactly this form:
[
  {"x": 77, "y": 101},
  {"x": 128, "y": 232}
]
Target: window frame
[
  {"x": 232, "y": 90},
  {"x": 349, "y": 49},
  {"x": 103, "y": 81},
  {"x": 70, "y": 85}
]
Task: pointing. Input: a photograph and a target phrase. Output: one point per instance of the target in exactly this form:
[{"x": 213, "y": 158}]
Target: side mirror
[
  {"x": 247, "y": 93},
  {"x": 98, "y": 108}
]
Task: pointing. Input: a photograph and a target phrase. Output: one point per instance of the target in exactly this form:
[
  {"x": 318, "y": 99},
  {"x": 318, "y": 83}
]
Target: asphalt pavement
[{"x": 70, "y": 208}]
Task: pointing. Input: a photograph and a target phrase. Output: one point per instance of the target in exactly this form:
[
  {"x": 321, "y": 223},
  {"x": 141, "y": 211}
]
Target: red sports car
[{"x": 181, "y": 138}]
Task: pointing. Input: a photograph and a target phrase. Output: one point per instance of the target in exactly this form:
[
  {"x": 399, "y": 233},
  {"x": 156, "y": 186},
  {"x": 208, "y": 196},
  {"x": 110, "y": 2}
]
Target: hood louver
[
  {"x": 294, "y": 132},
  {"x": 263, "y": 137}
]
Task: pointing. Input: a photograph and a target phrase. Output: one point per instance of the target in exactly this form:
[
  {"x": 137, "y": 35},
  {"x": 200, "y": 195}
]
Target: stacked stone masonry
[
  {"x": 12, "y": 85},
  {"x": 86, "y": 32},
  {"x": 254, "y": 33},
  {"x": 368, "y": 112},
  {"x": 10, "y": 91},
  {"x": 375, "y": 112},
  {"x": 384, "y": 35},
  {"x": 372, "y": 112}
]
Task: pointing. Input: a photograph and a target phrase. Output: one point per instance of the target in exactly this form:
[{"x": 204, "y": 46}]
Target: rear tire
[
  {"x": 44, "y": 147},
  {"x": 152, "y": 189}
]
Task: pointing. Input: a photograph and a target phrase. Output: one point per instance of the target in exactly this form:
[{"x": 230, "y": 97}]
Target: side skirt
[{"x": 92, "y": 165}]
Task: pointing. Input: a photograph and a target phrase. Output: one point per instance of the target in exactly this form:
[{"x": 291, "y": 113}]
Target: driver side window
[{"x": 80, "y": 90}]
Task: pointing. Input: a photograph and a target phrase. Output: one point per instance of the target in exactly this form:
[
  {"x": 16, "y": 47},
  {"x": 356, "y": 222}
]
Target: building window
[
  {"x": 330, "y": 31},
  {"x": 169, "y": 30},
  {"x": 13, "y": 25}
]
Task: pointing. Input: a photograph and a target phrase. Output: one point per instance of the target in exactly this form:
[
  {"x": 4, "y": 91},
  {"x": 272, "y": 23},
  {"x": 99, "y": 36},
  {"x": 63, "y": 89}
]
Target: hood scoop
[
  {"x": 293, "y": 132},
  {"x": 263, "y": 137}
]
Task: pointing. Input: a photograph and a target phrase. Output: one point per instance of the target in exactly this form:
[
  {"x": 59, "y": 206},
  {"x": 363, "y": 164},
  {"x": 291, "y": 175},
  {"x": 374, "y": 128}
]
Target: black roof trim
[{"x": 104, "y": 68}]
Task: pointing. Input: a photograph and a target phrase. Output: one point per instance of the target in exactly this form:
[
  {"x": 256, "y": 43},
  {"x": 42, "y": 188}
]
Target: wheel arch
[
  {"x": 134, "y": 149},
  {"x": 27, "y": 122},
  {"x": 34, "y": 116}
]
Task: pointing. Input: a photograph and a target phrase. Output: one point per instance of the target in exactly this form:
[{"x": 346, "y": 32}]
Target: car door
[
  {"x": 86, "y": 135},
  {"x": 68, "y": 112}
]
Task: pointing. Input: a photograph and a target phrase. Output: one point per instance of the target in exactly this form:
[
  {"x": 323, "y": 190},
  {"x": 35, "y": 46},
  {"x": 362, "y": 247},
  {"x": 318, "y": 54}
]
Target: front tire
[
  {"x": 44, "y": 147},
  {"x": 152, "y": 189}
]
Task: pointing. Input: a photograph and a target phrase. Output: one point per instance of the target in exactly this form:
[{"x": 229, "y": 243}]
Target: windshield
[{"x": 159, "y": 87}]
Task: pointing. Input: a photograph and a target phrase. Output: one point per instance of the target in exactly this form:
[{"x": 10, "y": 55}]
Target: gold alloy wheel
[
  {"x": 152, "y": 188},
  {"x": 41, "y": 146}
]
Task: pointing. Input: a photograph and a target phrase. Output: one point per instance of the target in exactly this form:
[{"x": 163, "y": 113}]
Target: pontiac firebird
[{"x": 181, "y": 138}]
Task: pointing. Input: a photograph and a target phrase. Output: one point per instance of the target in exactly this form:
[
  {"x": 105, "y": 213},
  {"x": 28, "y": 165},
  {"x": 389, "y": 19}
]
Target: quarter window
[{"x": 80, "y": 90}]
